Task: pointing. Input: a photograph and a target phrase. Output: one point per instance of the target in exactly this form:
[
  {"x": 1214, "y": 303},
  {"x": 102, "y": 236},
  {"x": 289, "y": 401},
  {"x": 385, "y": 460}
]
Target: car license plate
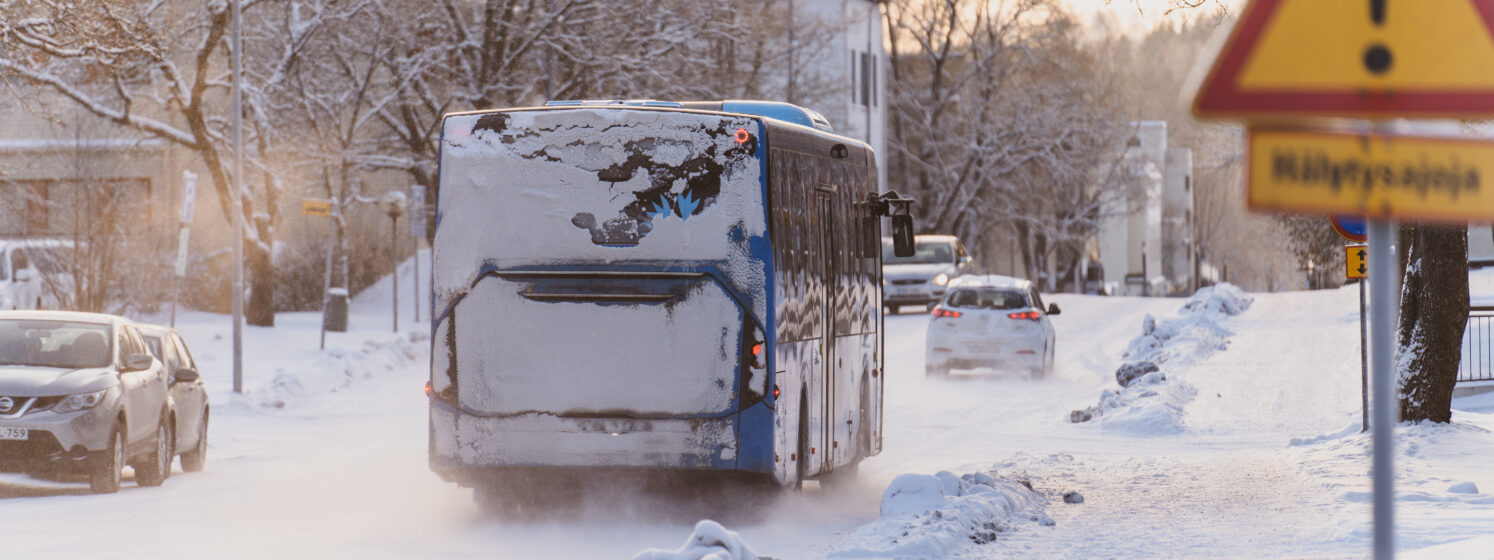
[{"x": 14, "y": 433}]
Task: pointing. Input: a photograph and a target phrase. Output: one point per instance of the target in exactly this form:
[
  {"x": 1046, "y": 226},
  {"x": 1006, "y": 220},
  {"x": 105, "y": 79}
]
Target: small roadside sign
[
  {"x": 181, "y": 252},
  {"x": 1374, "y": 175},
  {"x": 1356, "y": 262},
  {"x": 189, "y": 195},
  {"x": 1377, "y": 59},
  {"x": 417, "y": 211},
  {"x": 316, "y": 207}
]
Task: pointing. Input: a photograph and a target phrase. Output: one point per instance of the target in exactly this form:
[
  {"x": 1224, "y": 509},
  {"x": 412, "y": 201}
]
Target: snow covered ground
[{"x": 324, "y": 456}]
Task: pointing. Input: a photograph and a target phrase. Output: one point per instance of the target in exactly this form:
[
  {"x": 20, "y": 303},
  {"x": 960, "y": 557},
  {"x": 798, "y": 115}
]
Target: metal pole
[
  {"x": 1363, "y": 364},
  {"x": 416, "y": 274},
  {"x": 176, "y": 288},
  {"x": 327, "y": 275},
  {"x": 394, "y": 248},
  {"x": 1383, "y": 313},
  {"x": 236, "y": 184}
]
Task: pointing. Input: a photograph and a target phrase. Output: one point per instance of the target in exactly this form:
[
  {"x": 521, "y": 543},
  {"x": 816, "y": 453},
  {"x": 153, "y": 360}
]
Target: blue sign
[{"x": 1352, "y": 228}]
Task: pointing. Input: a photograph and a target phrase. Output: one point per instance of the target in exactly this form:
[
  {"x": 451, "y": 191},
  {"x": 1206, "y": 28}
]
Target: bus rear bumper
[{"x": 462, "y": 443}]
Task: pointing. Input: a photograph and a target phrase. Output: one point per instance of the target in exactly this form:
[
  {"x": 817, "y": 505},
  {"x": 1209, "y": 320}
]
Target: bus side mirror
[{"x": 902, "y": 235}]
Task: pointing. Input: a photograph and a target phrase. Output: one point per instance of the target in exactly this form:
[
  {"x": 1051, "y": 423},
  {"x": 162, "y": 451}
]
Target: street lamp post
[{"x": 394, "y": 206}]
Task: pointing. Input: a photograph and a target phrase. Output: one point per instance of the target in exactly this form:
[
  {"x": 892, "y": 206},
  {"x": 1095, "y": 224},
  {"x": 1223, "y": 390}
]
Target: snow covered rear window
[{"x": 598, "y": 185}]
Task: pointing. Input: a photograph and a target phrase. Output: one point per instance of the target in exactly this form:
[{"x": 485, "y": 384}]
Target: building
[
  {"x": 1146, "y": 243},
  {"x": 852, "y": 53}
]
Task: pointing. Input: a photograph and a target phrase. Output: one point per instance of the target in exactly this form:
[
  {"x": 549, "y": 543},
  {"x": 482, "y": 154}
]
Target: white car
[
  {"x": 996, "y": 322},
  {"x": 20, "y": 281}
]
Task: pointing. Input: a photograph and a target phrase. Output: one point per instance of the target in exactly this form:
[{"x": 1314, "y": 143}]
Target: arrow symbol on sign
[
  {"x": 1361, "y": 269},
  {"x": 1361, "y": 254}
]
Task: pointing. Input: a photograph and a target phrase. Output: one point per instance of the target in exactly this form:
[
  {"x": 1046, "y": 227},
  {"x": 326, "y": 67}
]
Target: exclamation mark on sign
[{"x": 1377, "y": 57}]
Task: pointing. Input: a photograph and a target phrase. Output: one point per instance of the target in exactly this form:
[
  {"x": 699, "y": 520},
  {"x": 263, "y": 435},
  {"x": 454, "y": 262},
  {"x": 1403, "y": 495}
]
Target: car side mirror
[
  {"x": 902, "y": 235},
  {"x": 185, "y": 374},
  {"x": 137, "y": 362},
  {"x": 1054, "y": 310},
  {"x": 23, "y": 275}
]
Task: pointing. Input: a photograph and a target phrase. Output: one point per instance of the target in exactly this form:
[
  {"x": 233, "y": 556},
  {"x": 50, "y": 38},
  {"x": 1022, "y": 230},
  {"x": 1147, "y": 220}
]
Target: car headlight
[
  {"x": 74, "y": 403},
  {"x": 941, "y": 279}
]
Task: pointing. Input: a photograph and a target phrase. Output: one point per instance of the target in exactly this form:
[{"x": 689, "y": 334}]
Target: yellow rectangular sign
[
  {"x": 1356, "y": 261},
  {"x": 318, "y": 208},
  {"x": 1378, "y": 176}
]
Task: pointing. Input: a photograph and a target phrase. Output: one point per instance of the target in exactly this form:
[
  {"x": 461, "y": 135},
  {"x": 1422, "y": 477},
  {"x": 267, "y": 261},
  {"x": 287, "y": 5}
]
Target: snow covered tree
[
  {"x": 1434, "y": 312},
  {"x": 161, "y": 70},
  {"x": 1001, "y": 117}
]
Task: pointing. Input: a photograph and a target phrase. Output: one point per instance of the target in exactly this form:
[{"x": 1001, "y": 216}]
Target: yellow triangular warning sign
[{"x": 1374, "y": 59}]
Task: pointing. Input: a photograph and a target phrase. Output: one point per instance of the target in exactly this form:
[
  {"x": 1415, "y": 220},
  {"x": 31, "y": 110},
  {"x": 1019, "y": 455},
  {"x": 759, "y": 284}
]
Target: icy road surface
[{"x": 339, "y": 469}]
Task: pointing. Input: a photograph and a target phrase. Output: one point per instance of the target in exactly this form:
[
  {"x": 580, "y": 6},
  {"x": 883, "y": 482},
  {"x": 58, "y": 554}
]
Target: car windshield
[
  {"x": 63, "y": 344},
  {"x": 988, "y": 298},
  {"x": 925, "y": 252}
]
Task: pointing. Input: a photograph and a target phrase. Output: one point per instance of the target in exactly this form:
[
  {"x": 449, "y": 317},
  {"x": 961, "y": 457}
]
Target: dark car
[
  {"x": 80, "y": 394},
  {"x": 187, "y": 391}
]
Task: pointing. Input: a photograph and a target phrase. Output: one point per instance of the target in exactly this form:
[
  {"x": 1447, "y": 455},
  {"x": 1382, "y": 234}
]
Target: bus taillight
[{"x": 743, "y": 136}]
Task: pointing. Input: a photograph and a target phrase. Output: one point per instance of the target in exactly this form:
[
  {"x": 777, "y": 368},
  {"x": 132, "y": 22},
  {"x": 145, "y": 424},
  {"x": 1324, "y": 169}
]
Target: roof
[
  {"x": 76, "y": 316},
  {"x": 152, "y": 329},
  {"x": 990, "y": 281}
]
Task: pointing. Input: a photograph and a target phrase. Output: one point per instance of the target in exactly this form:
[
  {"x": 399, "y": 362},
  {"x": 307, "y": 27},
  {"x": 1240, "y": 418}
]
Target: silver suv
[
  {"x": 80, "y": 394},
  {"x": 921, "y": 278}
]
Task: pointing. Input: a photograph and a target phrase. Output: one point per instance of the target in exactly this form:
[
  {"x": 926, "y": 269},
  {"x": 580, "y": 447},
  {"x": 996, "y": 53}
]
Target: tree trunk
[{"x": 1434, "y": 312}]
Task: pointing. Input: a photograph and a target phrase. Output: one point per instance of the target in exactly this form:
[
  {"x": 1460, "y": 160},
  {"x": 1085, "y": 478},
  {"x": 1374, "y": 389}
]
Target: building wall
[
  {"x": 856, "y": 59},
  {"x": 1177, "y": 218}
]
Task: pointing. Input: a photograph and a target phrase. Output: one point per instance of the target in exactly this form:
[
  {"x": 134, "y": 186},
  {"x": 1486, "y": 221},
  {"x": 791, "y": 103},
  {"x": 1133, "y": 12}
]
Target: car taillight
[
  {"x": 940, "y": 312},
  {"x": 1028, "y": 315},
  {"x": 427, "y": 388}
]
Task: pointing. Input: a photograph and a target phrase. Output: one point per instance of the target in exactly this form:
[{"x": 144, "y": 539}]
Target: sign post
[
  {"x": 417, "y": 231},
  {"x": 188, "y": 208},
  {"x": 322, "y": 208},
  {"x": 1354, "y": 269},
  {"x": 1301, "y": 62}
]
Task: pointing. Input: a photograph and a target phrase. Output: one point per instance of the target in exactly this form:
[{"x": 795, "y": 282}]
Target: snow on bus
[{"x": 606, "y": 285}]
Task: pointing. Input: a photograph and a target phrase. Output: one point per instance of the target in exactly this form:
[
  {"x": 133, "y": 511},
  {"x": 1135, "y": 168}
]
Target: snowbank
[
  {"x": 935, "y": 516},
  {"x": 337, "y": 368},
  {"x": 710, "y": 541},
  {"x": 1149, "y": 402}
]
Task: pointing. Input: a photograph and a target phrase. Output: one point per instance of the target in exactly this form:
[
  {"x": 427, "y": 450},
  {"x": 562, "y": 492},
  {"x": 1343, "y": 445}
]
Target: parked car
[
  {"x": 80, "y": 394},
  {"x": 994, "y": 322},
  {"x": 33, "y": 271},
  {"x": 188, "y": 393},
  {"x": 21, "y": 284},
  {"x": 921, "y": 279}
]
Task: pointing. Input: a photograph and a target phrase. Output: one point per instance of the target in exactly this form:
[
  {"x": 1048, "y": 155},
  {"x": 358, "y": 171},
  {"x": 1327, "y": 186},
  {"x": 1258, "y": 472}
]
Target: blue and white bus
[{"x": 654, "y": 285}]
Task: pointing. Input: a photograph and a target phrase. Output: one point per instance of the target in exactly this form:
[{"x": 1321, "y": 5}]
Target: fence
[{"x": 1478, "y": 345}]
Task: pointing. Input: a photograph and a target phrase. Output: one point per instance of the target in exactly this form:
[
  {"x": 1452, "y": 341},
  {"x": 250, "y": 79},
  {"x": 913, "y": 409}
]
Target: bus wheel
[{"x": 892, "y": 309}]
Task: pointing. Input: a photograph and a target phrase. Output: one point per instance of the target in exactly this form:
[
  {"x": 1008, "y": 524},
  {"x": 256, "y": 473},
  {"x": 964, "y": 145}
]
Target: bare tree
[{"x": 159, "y": 69}]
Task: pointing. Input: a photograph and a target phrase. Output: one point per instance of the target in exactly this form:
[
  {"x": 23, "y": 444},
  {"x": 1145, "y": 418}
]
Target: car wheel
[
  {"x": 196, "y": 459},
  {"x": 153, "y": 470},
  {"x": 105, "y": 475}
]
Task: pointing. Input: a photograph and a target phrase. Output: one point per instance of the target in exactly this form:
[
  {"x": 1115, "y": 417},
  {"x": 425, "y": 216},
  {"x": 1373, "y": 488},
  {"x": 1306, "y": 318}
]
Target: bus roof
[{"x": 771, "y": 109}]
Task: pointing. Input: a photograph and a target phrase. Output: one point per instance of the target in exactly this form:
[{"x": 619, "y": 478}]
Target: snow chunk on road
[
  {"x": 934, "y": 516},
  {"x": 710, "y": 541},
  {"x": 1151, "y": 403},
  {"x": 1219, "y": 299}
]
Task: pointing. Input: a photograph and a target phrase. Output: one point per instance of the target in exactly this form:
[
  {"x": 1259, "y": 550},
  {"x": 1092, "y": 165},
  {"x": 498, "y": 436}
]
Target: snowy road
[{"x": 340, "y": 470}]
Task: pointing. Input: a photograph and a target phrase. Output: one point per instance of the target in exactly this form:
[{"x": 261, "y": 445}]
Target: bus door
[{"x": 824, "y": 209}]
